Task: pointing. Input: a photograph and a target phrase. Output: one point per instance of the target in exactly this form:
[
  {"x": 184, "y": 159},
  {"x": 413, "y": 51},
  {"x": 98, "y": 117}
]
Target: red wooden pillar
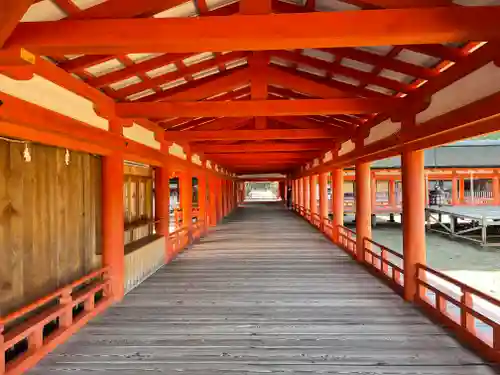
[
  {"x": 363, "y": 207},
  {"x": 213, "y": 202},
  {"x": 313, "y": 196},
  {"x": 496, "y": 189},
  {"x": 301, "y": 192},
  {"x": 222, "y": 197},
  {"x": 413, "y": 219},
  {"x": 295, "y": 192},
  {"x": 162, "y": 203},
  {"x": 202, "y": 199},
  {"x": 113, "y": 255},
  {"x": 323, "y": 197},
  {"x": 337, "y": 200},
  {"x": 307, "y": 192},
  {"x": 373, "y": 189},
  {"x": 186, "y": 191},
  {"x": 454, "y": 191},
  {"x": 461, "y": 191},
  {"x": 392, "y": 194}
]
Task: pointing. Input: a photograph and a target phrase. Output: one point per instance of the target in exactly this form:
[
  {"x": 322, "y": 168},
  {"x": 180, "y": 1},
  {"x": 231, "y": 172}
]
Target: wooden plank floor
[{"x": 264, "y": 294}]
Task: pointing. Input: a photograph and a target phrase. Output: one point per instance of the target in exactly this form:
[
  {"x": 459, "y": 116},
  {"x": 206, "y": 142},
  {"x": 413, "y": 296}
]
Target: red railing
[
  {"x": 24, "y": 334},
  {"x": 184, "y": 236},
  {"x": 347, "y": 240},
  {"x": 316, "y": 220},
  {"x": 388, "y": 263},
  {"x": 473, "y": 315}
]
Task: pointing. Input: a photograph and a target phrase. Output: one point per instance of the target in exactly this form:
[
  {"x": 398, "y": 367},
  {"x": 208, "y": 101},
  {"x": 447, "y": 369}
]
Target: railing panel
[
  {"x": 31, "y": 332},
  {"x": 388, "y": 263},
  {"x": 142, "y": 262},
  {"x": 183, "y": 237},
  {"x": 347, "y": 240},
  {"x": 472, "y": 314}
]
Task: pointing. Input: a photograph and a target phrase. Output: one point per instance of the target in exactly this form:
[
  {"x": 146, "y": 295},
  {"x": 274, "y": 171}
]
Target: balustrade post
[
  {"x": 66, "y": 301},
  {"x": 35, "y": 339},
  {"x": 466, "y": 319},
  {"x": 383, "y": 256}
]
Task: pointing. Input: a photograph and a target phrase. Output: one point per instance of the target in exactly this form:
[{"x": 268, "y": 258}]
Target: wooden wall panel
[{"x": 50, "y": 221}]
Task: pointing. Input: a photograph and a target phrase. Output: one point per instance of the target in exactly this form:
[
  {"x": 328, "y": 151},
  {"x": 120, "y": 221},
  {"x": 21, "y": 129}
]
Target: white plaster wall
[
  {"x": 196, "y": 159},
  {"x": 143, "y": 262},
  {"x": 48, "y": 95},
  {"x": 328, "y": 156},
  {"x": 477, "y": 85},
  {"x": 141, "y": 135},
  {"x": 177, "y": 150},
  {"x": 346, "y": 147},
  {"x": 382, "y": 130}
]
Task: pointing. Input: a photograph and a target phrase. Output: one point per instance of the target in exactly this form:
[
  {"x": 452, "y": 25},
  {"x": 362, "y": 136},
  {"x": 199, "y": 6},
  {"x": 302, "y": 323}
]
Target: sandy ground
[{"x": 476, "y": 266}]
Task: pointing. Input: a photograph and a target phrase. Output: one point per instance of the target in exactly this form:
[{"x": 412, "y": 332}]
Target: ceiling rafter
[
  {"x": 204, "y": 87},
  {"x": 182, "y": 73}
]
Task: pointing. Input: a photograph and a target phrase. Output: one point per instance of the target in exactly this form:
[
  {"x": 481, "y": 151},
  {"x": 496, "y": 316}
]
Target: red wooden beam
[
  {"x": 281, "y": 77},
  {"x": 343, "y": 89},
  {"x": 319, "y": 30},
  {"x": 256, "y": 108},
  {"x": 11, "y": 12},
  {"x": 262, "y": 147},
  {"x": 263, "y": 156},
  {"x": 256, "y": 135}
]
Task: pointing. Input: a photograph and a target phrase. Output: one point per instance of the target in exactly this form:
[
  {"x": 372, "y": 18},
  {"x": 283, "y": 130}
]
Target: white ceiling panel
[
  {"x": 172, "y": 84},
  {"x": 187, "y": 9},
  {"x": 354, "y": 64},
  {"x": 105, "y": 67},
  {"x": 417, "y": 58},
  {"x": 44, "y": 10},
  {"x": 126, "y": 82},
  {"x": 318, "y": 54},
  {"x": 140, "y": 95},
  {"x": 161, "y": 70}
]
